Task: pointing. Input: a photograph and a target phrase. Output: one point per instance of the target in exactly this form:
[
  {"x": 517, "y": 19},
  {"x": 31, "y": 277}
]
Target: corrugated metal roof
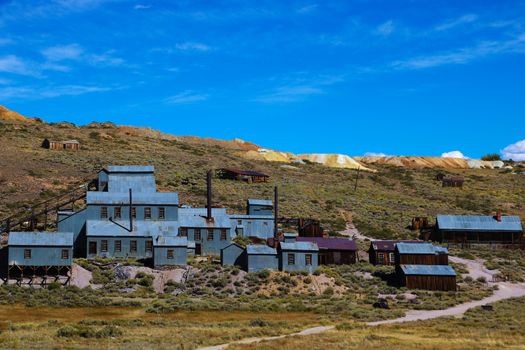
[
  {"x": 197, "y": 221},
  {"x": 389, "y": 245},
  {"x": 264, "y": 202},
  {"x": 428, "y": 270},
  {"x": 141, "y": 228},
  {"x": 478, "y": 223},
  {"x": 290, "y": 235},
  {"x": 309, "y": 246},
  {"x": 260, "y": 249},
  {"x": 201, "y": 211},
  {"x": 420, "y": 248},
  {"x": 56, "y": 239},
  {"x": 170, "y": 241},
  {"x": 130, "y": 169},
  {"x": 251, "y": 217},
  {"x": 112, "y": 198},
  {"x": 138, "y": 182},
  {"x": 331, "y": 243},
  {"x": 261, "y": 227}
]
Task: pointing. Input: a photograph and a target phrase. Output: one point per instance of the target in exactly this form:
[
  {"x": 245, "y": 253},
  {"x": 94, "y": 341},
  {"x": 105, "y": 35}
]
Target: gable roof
[
  {"x": 129, "y": 169},
  {"x": 389, "y": 245},
  {"x": 299, "y": 246},
  {"x": 428, "y": 270},
  {"x": 260, "y": 249},
  {"x": 420, "y": 248},
  {"x": 478, "y": 223},
  {"x": 335, "y": 243},
  {"x": 264, "y": 202},
  {"x": 50, "y": 239}
]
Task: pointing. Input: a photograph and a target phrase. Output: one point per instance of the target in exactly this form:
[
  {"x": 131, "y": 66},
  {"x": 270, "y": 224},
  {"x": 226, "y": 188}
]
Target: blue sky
[{"x": 392, "y": 77}]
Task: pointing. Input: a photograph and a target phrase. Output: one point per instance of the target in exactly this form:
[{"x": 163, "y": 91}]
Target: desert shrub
[{"x": 259, "y": 323}]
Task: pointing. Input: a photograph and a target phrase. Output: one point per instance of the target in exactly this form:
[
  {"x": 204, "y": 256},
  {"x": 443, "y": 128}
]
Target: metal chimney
[
  {"x": 276, "y": 213},
  {"x": 209, "y": 216}
]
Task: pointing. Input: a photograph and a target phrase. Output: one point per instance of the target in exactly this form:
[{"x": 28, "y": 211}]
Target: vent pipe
[
  {"x": 498, "y": 216},
  {"x": 209, "y": 195},
  {"x": 130, "y": 210},
  {"x": 276, "y": 213}
]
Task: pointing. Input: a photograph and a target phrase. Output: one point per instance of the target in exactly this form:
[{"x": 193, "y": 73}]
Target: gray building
[
  {"x": 261, "y": 257},
  {"x": 235, "y": 255},
  {"x": 260, "y": 207},
  {"x": 170, "y": 251},
  {"x": 298, "y": 256}
]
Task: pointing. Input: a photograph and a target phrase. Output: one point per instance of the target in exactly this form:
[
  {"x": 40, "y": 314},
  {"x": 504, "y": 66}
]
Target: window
[
  {"x": 133, "y": 246},
  {"x": 104, "y": 245},
  {"x": 147, "y": 213},
  {"x": 223, "y": 234},
  {"x": 183, "y": 232},
  {"x": 117, "y": 213},
  {"x": 92, "y": 248},
  {"x": 392, "y": 259},
  {"x": 197, "y": 234},
  {"x": 291, "y": 259},
  {"x": 239, "y": 222},
  {"x": 103, "y": 212},
  {"x": 134, "y": 212},
  {"x": 308, "y": 259},
  {"x": 162, "y": 213},
  {"x": 380, "y": 258},
  {"x": 149, "y": 246},
  {"x": 27, "y": 253},
  {"x": 171, "y": 254},
  {"x": 65, "y": 254},
  {"x": 265, "y": 223},
  {"x": 210, "y": 234},
  {"x": 118, "y": 246}
]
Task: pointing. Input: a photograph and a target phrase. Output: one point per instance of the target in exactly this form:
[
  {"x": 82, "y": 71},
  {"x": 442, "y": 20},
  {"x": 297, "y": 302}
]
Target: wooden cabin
[
  {"x": 61, "y": 145},
  {"x": 243, "y": 175},
  {"x": 467, "y": 229},
  {"x": 382, "y": 252},
  {"x": 428, "y": 277},
  {"x": 420, "y": 254},
  {"x": 334, "y": 251}
]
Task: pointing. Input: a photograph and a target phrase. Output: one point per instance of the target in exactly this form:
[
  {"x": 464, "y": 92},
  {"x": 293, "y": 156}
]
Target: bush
[
  {"x": 259, "y": 323},
  {"x": 88, "y": 332},
  {"x": 491, "y": 157}
]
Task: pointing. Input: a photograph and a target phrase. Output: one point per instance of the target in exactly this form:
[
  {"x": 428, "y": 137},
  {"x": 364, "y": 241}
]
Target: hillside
[{"x": 382, "y": 206}]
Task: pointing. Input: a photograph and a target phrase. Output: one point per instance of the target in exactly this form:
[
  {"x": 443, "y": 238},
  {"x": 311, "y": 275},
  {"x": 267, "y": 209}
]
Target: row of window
[
  {"x": 307, "y": 259},
  {"x": 117, "y": 246},
  {"x": 117, "y": 213},
  {"x": 381, "y": 258},
  {"x": 28, "y": 253},
  {"x": 197, "y": 236}
]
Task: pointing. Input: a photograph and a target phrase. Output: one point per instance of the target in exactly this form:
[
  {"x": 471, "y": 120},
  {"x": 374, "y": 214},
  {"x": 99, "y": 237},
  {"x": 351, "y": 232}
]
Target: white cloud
[
  {"x": 185, "y": 97},
  {"x": 469, "y": 18},
  {"x": 464, "y": 55},
  {"x": 192, "y": 46},
  {"x": 385, "y": 29},
  {"x": 105, "y": 59},
  {"x": 28, "y": 92},
  {"x": 63, "y": 52},
  {"x": 454, "y": 154},
  {"x": 290, "y": 94},
  {"x": 141, "y": 7},
  {"x": 374, "y": 154},
  {"x": 14, "y": 65},
  {"x": 516, "y": 151}
]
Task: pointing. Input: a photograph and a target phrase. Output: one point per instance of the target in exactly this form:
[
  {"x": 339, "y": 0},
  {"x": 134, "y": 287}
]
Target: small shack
[
  {"x": 242, "y": 175},
  {"x": 39, "y": 254},
  {"x": 170, "y": 251},
  {"x": 420, "y": 254},
  {"x": 235, "y": 255},
  {"x": 454, "y": 181},
  {"x": 382, "y": 252},
  {"x": 334, "y": 251},
  {"x": 61, "y": 145},
  {"x": 297, "y": 256},
  {"x": 428, "y": 277},
  {"x": 260, "y": 207},
  {"x": 477, "y": 229},
  {"x": 261, "y": 257}
]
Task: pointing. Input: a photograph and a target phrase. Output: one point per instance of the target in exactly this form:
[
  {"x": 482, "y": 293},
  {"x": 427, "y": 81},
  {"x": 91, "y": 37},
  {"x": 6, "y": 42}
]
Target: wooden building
[
  {"x": 472, "y": 229},
  {"x": 382, "y": 252},
  {"x": 242, "y": 175},
  {"x": 428, "y": 277},
  {"x": 61, "y": 145},
  {"x": 334, "y": 251},
  {"x": 420, "y": 254},
  {"x": 454, "y": 181}
]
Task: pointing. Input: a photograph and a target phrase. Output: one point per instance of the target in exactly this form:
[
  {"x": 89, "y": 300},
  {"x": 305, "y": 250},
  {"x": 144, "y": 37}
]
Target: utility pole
[{"x": 356, "y": 179}]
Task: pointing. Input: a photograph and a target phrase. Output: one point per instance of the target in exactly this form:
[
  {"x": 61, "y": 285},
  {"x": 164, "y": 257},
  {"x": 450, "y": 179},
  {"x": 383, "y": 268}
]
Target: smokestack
[
  {"x": 130, "y": 210},
  {"x": 208, "y": 202},
  {"x": 276, "y": 213},
  {"x": 498, "y": 216}
]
